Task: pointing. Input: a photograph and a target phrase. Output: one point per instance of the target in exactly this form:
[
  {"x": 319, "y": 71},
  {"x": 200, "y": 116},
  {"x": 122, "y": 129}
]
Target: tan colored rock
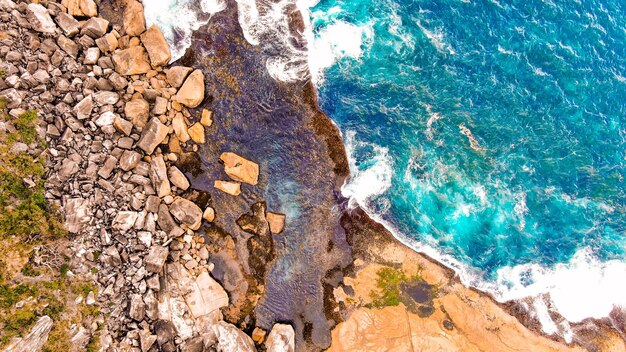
[
  {"x": 232, "y": 188},
  {"x": 95, "y": 27},
  {"x": 134, "y": 20},
  {"x": 124, "y": 220},
  {"x": 158, "y": 49},
  {"x": 207, "y": 118},
  {"x": 82, "y": 8},
  {"x": 177, "y": 178},
  {"x": 180, "y": 128},
  {"x": 196, "y": 132},
  {"x": 158, "y": 176},
  {"x": 176, "y": 75},
  {"x": 68, "y": 24},
  {"x": 191, "y": 93},
  {"x": 282, "y": 338},
  {"x": 209, "y": 214},
  {"x": 122, "y": 125},
  {"x": 258, "y": 335},
  {"x": 107, "y": 43},
  {"x": 137, "y": 111},
  {"x": 240, "y": 169},
  {"x": 187, "y": 213},
  {"x": 36, "y": 338},
  {"x": 40, "y": 19},
  {"x": 276, "y": 222},
  {"x": 205, "y": 296},
  {"x": 229, "y": 338},
  {"x": 153, "y": 134},
  {"x": 131, "y": 61}
]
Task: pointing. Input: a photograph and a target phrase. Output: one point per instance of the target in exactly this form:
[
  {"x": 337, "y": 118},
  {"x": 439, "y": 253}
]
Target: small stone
[
  {"x": 180, "y": 128},
  {"x": 281, "y": 339},
  {"x": 91, "y": 56},
  {"x": 106, "y": 119},
  {"x": 131, "y": 61},
  {"x": 107, "y": 43},
  {"x": 68, "y": 45},
  {"x": 209, "y": 214},
  {"x": 82, "y": 8},
  {"x": 122, "y": 125},
  {"x": 95, "y": 27},
  {"x": 232, "y": 188},
  {"x": 106, "y": 98},
  {"x": 68, "y": 24},
  {"x": 129, "y": 160},
  {"x": 158, "y": 175},
  {"x": 196, "y": 132},
  {"x": 276, "y": 222},
  {"x": 137, "y": 111},
  {"x": 160, "y": 106},
  {"x": 258, "y": 335},
  {"x": 153, "y": 134},
  {"x": 157, "y": 47},
  {"x": 137, "y": 308},
  {"x": 124, "y": 220},
  {"x": 155, "y": 260},
  {"x": 207, "y": 118},
  {"x": 177, "y": 178},
  {"x": 83, "y": 109}
]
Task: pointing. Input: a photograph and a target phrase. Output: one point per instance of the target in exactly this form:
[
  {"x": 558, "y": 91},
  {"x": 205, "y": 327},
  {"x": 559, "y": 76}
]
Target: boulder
[
  {"x": 82, "y": 8},
  {"x": 68, "y": 24},
  {"x": 134, "y": 20},
  {"x": 229, "y": 338},
  {"x": 196, "y": 133},
  {"x": 191, "y": 93},
  {"x": 176, "y": 75},
  {"x": 158, "y": 175},
  {"x": 153, "y": 134},
  {"x": 158, "y": 49},
  {"x": 83, "y": 109},
  {"x": 240, "y": 169},
  {"x": 131, "y": 61},
  {"x": 205, "y": 296},
  {"x": 187, "y": 213},
  {"x": 124, "y": 220},
  {"x": 107, "y": 43},
  {"x": 155, "y": 260},
  {"x": 276, "y": 221},
  {"x": 232, "y": 188},
  {"x": 40, "y": 19},
  {"x": 36, "y": 338},
  {"x": 281, "y": 339},
  {"x": 95, "y": 27},
  {"x": 137, "y": 111},
  {"x": 177, "y": 178}
]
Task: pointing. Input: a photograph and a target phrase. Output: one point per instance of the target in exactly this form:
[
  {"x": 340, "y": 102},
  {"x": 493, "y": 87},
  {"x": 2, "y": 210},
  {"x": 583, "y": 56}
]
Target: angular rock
[
  {"x": 177, "y": 178},
  {"x": 77, "y": 214},
  {"x": 147, "y": 340},
  {"x": 107, "y": 43},
  {"x": 281, "y": 339},
  {"x": 191, "y": 93},
  {"x": 106, "y": 170},
  {"x": 137, "y": 111},
  {"x": 229, "y": 338},
  {"x": 106, "y": 98},
  {"x": 36, "y": 338},
  {"x": 207, "y": 118},
  {"x": 40, "y": 19},
  {"x": 158, "y": 175},
  {"x": 158, "y": 49},
  {"x": 95, "y": 27},
  {"x": 180, "y": 128},
  {"x": 12, "y": 96},
  {"x": 153, "y": 134},
  {"x": 124, "y": 220},
  {"x": 137, "y": 309},
  {"x": 155, "y": 260},
  {"x": 134, "y": 20},
  {"x": 165, "y": 219},
  {"x": 68, "y": 24},
  {"x": 196, "y": 132},
  {"x": 129, "y": 160},
  {"x": 82, "y": 8},
  {"x": 91, "y": 56},
  {"x": 160, "y": 106},
  {"x": 83, "y": 109},
  {"x": 176, "y": 75},
  {"x": 276, "y": 222},
  {"x": 187, "y": 213},
  {"x": 122, "y": 125},
  {"x": 240, "y": 169},
  {"x": 68, "y": 45},
  {"x": 205, "y": 296},
  {"x": 232, "y": 188},
  {"x": 131, "y": 61}
]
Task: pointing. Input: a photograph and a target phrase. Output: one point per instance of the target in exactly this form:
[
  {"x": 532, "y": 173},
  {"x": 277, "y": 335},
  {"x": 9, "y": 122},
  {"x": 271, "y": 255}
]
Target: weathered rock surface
[
  {"x": 36, "y": 338},
  {"x": 229, "y": 338},
  {"x": 155, "y": 260},
  {"x": 153, "y": 134},
  {"x": 240, "y": 169},
  {"x": 131, "y": 61},
  {"x": 187, "y": 213},
  {"x": 68, "y": 24},
  {"x": 158, "y": 49},
  {"x": 176, "y": 75},
  {"x": 177, "y": 178},
  {"x": 158, "y": 175},
  {"x": 196, "y": 133},
  {"x": 232, "y": 188},
  {"x": 137, "y": 111},
  {"x": 134, "y": 20},
  {"x": 77, "y": 214},
  {"x": 82, "y": 8},
  {"x": 281, "y": 339},
  {"x": 276, "y": 221},
  {"x": 191, "y": 93},
  {"x": 40, "y": 19}
]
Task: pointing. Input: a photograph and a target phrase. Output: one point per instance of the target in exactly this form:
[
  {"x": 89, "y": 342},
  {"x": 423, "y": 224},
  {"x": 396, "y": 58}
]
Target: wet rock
[
  {"x": 40, "y": 19},
  {"x": 187, "y": 213},
  {"x": 134, "y": 20},
  {"x": 36, "y": 338},
  {"x": 95, "y": 27},
  {"x": 191, "y": 93},
  {"x": 240, "y": 169},
  {"x": 229, "y": 338},
  {"x": 83, "y": 109},
  {"x": 177, "y": 178},
  {"x": 196, "y": 132},
  {"x": 155, "y": 260},
  {"x": 82, "y": 8},
  {"x": 124, "y": 220},
  {"x": 176, "y": 75},
  {"x": 276, "y": 222},
  {"x": 131, "y": 61},
  {"x": 137, "y": 111},
  {"x": 281, "y": 339},
  {"x": 158, "y": 49},
  {"x": 77, "y": 214},
  {"x": 158, "y": 176},
  {"x": 68, "y": 24},
  {"x": 153, "y": 134},
  {"x": 232, "y": 188}
]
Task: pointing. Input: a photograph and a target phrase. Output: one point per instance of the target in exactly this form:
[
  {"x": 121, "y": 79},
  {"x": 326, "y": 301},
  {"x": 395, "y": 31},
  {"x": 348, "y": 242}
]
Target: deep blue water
[{"x": 499, "y": 128}]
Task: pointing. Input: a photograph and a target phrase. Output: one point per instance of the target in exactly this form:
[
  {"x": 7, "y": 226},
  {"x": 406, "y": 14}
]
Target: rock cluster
[{"x": 114, "y": 121}]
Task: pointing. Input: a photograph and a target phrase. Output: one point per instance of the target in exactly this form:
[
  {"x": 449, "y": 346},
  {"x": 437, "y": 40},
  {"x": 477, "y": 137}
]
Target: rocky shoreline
[{"x": 203, "y": 200}]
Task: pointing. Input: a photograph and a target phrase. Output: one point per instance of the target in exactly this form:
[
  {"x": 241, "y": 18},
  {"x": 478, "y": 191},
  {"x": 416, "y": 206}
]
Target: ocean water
[{"x": 489, "y": 135}]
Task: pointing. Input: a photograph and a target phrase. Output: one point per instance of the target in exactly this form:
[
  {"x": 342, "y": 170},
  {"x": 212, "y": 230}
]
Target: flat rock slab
[{"x": 240, "y": 169}]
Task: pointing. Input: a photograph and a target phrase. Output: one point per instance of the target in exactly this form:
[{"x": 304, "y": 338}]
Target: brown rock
[
  {"x": 122, "y": 125},
  {"x": 153, "y": 134},
  {"x": 191, "y": 93},
  {"x": 82, "y": 8},
  {"x": 160, "y": 106},
  {"x": 178, "y": 178},
  {"x": 158, "y": 49},
  {"x": 82, "y": 110},
  {"x": 131, "y": 61},
  {"x": 176, "y": 75},
  {"x": 124, "y": 220},
  {"x": 158, "y": 175},
  {"x": 134, "y": 20},
  {"x": 240, "y": 169},
  {"x": 137, "y": 308},
  {"x": 137, "y": 111},
  {"x": 68, "y": 24},
  {"x": 107, "y": 43},
  {"x": 207, "y": 118},
  {"x": 187, "y": 213},
  {"x": 68, "y": 45},
  {"x": 209, "y": 214},
  {"x": 196, "y": 132},
  {"x": 40, "y": 19},
  {"x": 276, "y": 221},
  {"x": 180, "y": 128},
  {"x": 95, "y": 27},
  {"x": 258, "y": 335},
  {"x": 129, "y": 160},
  {"x": 232, "y": 188},
  {"x": 155, "y": 260}
]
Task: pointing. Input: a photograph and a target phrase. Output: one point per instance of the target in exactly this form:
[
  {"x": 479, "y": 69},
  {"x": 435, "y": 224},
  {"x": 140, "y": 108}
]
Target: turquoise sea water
[{"x": 493, "y": 132}]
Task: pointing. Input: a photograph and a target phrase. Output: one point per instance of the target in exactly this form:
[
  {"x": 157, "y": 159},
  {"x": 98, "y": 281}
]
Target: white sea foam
[
  {"x": 436, "y": 37},
  {"x": 177, "y": 19}
]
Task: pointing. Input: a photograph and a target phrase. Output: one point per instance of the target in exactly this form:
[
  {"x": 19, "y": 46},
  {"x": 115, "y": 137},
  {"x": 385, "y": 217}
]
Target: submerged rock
[
  {"x": 281, "y": 339},
  {"x": 276, "y": 221},
  {"x": 240, "y": 169},
  {"x": 232, "y": 188}
]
